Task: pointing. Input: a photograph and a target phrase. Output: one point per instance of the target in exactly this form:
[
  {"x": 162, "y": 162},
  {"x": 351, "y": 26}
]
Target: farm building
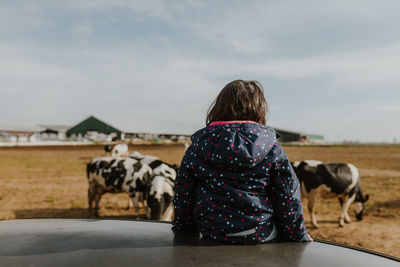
[
  {"x": 157, "y": 137},
  {"x": 174, "y": 137},
  {"x": 287, "y": 136},
  {"x": 54, "y": 132},
  {"x": 94, "y": 129},
  {"x": 13, "y": 131}
]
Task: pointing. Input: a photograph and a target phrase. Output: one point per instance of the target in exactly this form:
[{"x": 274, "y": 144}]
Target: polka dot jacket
[{"x": 236, "y": 177}]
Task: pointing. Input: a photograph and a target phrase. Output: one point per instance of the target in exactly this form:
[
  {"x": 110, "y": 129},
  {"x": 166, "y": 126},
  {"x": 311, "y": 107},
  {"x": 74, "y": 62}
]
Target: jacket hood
[{"x": 238, "y": 145}]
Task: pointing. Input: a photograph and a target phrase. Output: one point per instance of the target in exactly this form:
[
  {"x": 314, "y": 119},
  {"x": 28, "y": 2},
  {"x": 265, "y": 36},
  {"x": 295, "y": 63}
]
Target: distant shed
[
  {"x": 15, "y": 131},
  {"x": 57, "y": 132},
  {"x": 93, "y": 125},
  {"x": 287, "y": 136}
]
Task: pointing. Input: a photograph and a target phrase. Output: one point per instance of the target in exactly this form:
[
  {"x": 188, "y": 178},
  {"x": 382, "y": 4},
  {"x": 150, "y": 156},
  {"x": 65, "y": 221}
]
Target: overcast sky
[{"x": 327, "y": 67}]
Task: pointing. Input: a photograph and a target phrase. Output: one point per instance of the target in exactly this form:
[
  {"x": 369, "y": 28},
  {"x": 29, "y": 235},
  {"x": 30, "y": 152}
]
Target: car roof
[{"x": 73, "y": 242}]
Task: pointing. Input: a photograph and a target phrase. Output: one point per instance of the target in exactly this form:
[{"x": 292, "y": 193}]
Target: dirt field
[{"x": 37, "y": 182}]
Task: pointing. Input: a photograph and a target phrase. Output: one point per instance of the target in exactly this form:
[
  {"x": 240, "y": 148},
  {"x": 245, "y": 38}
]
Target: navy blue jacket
[{"x": 235, "y": 177}]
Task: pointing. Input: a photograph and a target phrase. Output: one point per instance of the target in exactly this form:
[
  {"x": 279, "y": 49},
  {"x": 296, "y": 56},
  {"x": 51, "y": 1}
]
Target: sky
[{"x": 327, "y": 67}]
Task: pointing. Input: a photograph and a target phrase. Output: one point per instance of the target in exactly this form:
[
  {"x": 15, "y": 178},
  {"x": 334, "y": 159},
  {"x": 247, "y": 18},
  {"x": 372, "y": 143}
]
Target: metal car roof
[{"x": 74, "y": 242}]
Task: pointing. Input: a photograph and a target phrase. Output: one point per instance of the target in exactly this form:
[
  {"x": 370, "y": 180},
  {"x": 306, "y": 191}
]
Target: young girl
[{"x": 235, "y": 182}]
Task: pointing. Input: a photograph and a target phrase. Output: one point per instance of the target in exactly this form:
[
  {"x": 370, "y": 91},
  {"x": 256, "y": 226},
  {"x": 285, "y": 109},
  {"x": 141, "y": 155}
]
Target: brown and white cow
[{"x": 339, "y": 180}]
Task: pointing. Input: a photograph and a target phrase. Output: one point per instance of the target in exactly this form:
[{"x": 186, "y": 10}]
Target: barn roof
[
  {"x": 55, "y": 127},
  {"x": 92, "y": 124},
  {"x": 290, "y": 135}
]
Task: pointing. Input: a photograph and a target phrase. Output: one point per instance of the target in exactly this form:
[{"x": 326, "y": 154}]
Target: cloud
[
  {"x": 157, "y": 65},
  {"x": 83, "y": 32},
  {"x": 387, "y": 108}
]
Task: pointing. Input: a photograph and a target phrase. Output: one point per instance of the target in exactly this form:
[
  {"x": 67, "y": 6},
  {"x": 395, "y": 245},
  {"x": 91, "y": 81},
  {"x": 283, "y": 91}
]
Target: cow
[
  {"x": 339, "y": 180},
  {"x": 120, "y": 150},
  {"x": 116, "y": 175},
  {"x": 108, "y": 149},
  {"x": 161, "y": 189}
]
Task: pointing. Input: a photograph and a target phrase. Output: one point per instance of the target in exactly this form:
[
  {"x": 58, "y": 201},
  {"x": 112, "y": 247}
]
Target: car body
[{"x": 91, "y": 242}]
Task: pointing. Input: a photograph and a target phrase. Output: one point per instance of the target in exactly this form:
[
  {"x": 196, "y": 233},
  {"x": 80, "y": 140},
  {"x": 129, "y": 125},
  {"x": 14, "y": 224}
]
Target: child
[{"x": 235, "y": 182}]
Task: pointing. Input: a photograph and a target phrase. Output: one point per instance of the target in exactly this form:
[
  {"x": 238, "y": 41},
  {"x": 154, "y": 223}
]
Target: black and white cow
[
  {"x": 107, "y": 149},
  {"x": 120, "y": 150},
  {"x": 340, "y": 180},
  {"x": 161, "y": 188},
  {"x": 116, "y": 175}
]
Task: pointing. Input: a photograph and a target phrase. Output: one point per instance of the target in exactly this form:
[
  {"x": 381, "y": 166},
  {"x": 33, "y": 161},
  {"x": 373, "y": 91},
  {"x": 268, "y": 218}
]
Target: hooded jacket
[{"x": 234, "y": 178}]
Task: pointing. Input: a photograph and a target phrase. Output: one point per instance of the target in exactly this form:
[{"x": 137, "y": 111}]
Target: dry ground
[{"x": 50, "y": 182}]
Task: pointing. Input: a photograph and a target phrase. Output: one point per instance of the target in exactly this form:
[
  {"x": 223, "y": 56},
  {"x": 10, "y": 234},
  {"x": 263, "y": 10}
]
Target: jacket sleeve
[
  {"x": 289, "y": 217},
  {"x": 184, "y": 196}
]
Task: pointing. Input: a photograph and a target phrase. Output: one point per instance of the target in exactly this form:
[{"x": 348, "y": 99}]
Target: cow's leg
[
  {"x": 134, "y": 200},
  {"x": 347, "y": 218},
  {"x": 312, "y": 196},
  {"x": 97, "y": 199},
  {"x": 142, "y": 203},
  {"x": 91, "y": 195},
  {"x": 169, "y": 213},
  {"x": 347, "y": 202},
  {"x": 341, "y": 201},
  {"x": 90, "y": 200},
  {"x": 137, "y": 199},
  {"x": 140, "y": 199},
  {"x": 130, "y": 204},
  {"x": 148, "y": 211},
  {"x": 304, "y": 192},
  {"x": 146, "y": 205}
]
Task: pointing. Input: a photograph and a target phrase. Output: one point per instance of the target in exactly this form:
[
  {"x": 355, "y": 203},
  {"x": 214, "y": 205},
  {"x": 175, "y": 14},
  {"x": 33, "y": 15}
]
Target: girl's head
[{"x": 239, "y": 100}]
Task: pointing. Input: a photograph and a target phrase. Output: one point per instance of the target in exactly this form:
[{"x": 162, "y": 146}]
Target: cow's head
[
  {"x": 359, "y": 205},
  {"x": 297, "y": 168},
  {"x": 160, "y": 196},
  {"x": 108, "y": 148},
  {"x": 173, "y": 166}
]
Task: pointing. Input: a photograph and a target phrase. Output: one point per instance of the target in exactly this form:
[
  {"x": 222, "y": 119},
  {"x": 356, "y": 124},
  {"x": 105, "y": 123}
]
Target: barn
[
  {"x": 15, "y": 131},
  {"x": 53, "y": 132},
  {"x": 94, "y": 129},
  {"x": 288, "y": 136}
]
